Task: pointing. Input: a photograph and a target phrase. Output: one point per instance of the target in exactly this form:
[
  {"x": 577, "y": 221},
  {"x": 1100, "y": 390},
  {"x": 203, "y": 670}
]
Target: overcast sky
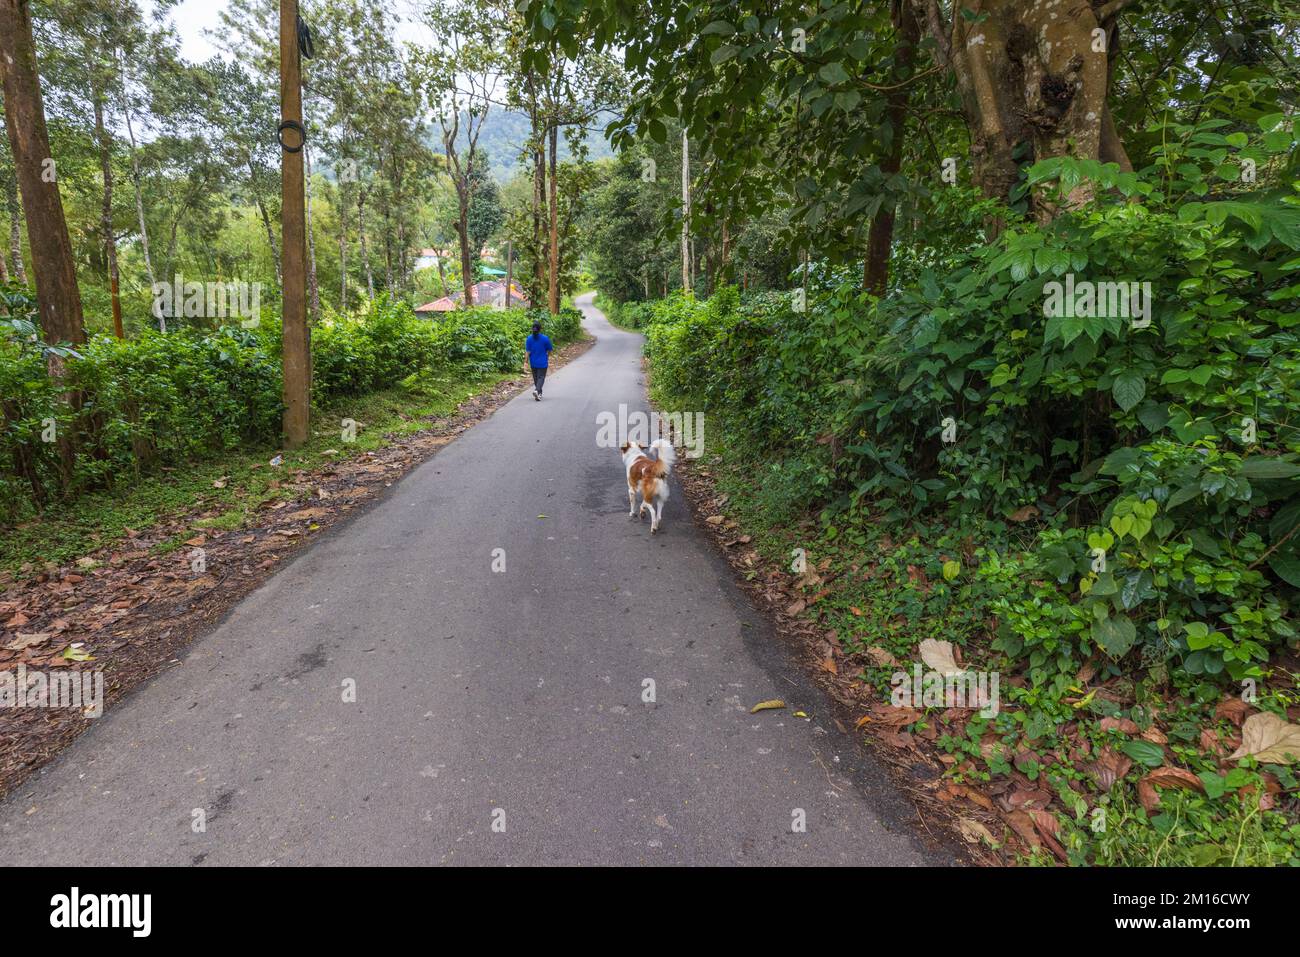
[{"x": 193, "y": 17}]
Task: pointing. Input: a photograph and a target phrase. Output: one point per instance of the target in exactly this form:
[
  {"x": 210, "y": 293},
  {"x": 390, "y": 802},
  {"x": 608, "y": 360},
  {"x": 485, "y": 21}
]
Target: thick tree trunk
[
  {"x": 1028, "y": 72},
  {"x": 553, "y": 257},
  {"x": 686, "y": 212},
  {"x": 57, "y": 293},
  {"x": 296, "y": 332},
  {"x": 510, "y": 271}
]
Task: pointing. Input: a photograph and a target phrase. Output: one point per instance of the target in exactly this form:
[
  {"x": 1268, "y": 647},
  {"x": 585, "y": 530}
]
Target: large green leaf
[
  {"x": 1114, "y": 635},
  {"x": 1129, "y": 389},
  {"x": 1259, "y": 467}
]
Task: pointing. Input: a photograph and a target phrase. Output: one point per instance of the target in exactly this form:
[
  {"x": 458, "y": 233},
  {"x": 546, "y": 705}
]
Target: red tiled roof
[{"x": 483, "y": 290}]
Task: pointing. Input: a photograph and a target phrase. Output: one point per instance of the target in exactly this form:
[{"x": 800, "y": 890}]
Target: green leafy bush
[
  {"x": 1160, "y": 462},
  {"x": 164, "y": 399}
]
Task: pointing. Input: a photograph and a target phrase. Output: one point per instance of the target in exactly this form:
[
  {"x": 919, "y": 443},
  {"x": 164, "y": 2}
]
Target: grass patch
[{"x": 67, "y": 532}]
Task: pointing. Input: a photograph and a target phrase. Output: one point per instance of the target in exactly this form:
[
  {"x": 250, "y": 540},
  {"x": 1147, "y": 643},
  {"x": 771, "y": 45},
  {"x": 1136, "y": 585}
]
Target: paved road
[{"x": 482, "y": 696}]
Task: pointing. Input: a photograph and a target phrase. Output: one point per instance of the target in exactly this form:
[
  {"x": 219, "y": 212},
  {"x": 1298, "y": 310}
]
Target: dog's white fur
[{"x": 650, "y": 477}]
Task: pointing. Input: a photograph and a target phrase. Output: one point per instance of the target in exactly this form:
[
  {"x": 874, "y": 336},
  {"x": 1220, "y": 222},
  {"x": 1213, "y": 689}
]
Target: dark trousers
[{"x": 539, "y": 376}]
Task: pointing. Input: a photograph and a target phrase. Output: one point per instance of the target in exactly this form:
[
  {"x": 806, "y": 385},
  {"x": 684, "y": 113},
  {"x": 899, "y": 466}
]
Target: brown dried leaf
[
  {"x": 880, "y": 657},
  {"x": 975, "y": 832},
  {"x": 1269, "y": 739},
  {"x": 1234, "y": 709},
  {"x": 1172, "y": 777},
  {"x": 1110, "y": 766},
  {"x": 29, "y": 640},
  {"x": 1023, "y": 514},
  {"x": 938, "y": 655},
  {"x": 1122, "y": 725}
]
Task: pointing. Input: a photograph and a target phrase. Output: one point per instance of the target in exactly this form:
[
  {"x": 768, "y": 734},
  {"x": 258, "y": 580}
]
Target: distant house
[
  {"x": 428, "y": 258},
  {"x": 486, "y": 293}
]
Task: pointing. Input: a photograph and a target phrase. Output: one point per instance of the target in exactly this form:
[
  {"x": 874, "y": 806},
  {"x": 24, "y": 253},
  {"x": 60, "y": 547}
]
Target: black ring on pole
[
  {"x": 306, "y": 45},
  {"x": 291, "y": 125}
]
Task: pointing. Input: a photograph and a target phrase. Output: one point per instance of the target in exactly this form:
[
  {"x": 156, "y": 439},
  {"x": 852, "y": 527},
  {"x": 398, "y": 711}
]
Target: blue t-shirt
[{"x": 538, "y": 346}]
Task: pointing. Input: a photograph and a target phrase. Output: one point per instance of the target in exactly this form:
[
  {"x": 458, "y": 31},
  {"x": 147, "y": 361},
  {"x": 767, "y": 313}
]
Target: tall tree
[
  {"x": 461, "y": 77},
  {"x": 57, "y": 293}
]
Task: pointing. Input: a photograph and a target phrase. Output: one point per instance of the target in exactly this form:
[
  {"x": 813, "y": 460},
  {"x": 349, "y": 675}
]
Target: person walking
[{"x": 538, "y": 347}]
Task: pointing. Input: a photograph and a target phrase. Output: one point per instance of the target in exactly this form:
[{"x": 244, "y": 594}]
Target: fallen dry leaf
[
  {"x": 1050, "y": 829},
  {"x": 28, "y": 641},
  {"x": 938, "y": 655},
  {"x": 880, "y": 657},
  {"x": 1210, "y": 741},
  {"x": 975, "y": 832},
  {"x": 1267, "y": 738},
  {"x": 1110, "y": 766},
  {"x": 1123, "y": 725},
  {"x": 1172, "y": 777},
  {"x": 1234, "y": 709},
  {"x": 1023, "y": 825}
]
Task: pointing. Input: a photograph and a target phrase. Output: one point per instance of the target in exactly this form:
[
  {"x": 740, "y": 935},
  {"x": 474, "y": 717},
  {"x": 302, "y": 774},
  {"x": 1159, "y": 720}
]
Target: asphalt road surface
[{"x": 499, "y": 715}]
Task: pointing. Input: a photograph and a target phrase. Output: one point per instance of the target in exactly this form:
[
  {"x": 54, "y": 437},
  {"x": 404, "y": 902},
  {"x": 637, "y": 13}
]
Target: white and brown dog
[{"x": 649, "y": 476}]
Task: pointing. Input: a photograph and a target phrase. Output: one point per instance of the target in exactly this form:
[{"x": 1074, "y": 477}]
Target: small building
[
  {"x": 428, "y": 258},
  {"x": 486, "y": 293}
]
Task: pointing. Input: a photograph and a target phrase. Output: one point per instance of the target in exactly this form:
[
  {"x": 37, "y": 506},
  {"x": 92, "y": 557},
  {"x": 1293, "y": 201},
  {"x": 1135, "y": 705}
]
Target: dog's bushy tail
[{"x": 666, "y": 454}]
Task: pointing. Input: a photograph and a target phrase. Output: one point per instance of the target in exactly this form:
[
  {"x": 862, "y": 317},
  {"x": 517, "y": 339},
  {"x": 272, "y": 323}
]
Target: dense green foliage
[
  {"x": 1114, "y": 492},
  {"x": 160, "y": 400}
]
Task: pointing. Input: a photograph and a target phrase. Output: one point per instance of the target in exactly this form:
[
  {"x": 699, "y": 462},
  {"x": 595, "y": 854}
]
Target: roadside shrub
[
  {"x": 1160, "y": 462},
  {"x": 162, "y": 399},
  {"x": 565, "y": 326}
]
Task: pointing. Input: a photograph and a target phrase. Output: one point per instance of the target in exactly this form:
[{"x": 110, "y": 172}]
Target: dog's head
[{"x": 629, "y": 451}]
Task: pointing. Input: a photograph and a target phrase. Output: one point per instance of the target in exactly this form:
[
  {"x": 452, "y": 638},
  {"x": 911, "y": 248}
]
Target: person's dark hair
[{"x": 537, "y": 327}]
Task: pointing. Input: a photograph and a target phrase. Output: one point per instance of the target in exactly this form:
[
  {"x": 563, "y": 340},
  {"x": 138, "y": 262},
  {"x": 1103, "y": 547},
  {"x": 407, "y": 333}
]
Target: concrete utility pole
[
  {"x": 686, "y": 212},
  {"x": 296, "y": 337}
]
